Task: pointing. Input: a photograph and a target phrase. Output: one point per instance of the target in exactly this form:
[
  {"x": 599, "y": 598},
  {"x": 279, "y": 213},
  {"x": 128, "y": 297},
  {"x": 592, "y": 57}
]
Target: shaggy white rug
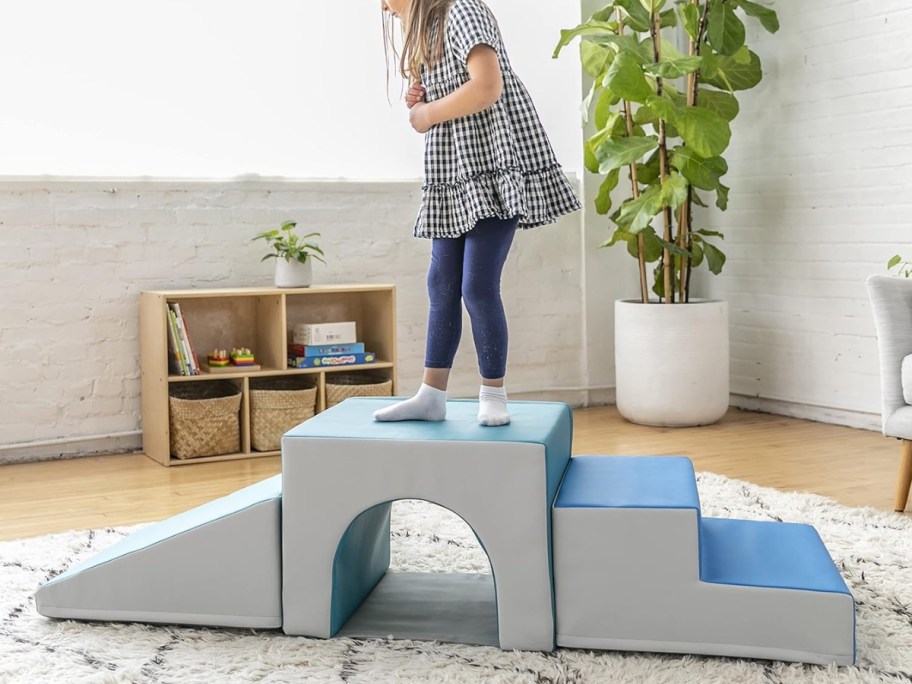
[{"x": 872, "y": 549}]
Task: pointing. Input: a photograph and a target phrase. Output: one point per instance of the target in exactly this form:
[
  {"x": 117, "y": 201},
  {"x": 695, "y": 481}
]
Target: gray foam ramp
[{"x": 218, "y": 564}]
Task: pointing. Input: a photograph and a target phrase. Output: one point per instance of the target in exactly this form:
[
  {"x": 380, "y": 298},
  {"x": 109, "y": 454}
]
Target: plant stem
[
  {"x": 667, "y": 258},
  {"x": 641, "y": 248},
  {"x": 685, "y": 219}
]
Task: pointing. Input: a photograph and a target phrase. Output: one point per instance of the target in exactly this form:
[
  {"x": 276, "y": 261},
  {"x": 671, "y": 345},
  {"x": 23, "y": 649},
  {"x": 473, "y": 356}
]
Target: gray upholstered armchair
[{"x": 891, "y": 302}]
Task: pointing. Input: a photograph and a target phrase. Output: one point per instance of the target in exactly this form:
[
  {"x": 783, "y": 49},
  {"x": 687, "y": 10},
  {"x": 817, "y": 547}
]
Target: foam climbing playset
[{"x": 596, "y": 552}]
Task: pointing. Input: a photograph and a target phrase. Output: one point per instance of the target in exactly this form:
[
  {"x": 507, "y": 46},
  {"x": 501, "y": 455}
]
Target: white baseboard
[
  {"x": 76, "y": 447},
  {"x": 80, "y": 447},
  {"x": 819, "y": 414}
]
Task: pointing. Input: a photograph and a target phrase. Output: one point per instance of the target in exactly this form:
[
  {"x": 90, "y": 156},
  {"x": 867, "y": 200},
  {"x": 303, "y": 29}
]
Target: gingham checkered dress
[{"x": 496, "y": 163}]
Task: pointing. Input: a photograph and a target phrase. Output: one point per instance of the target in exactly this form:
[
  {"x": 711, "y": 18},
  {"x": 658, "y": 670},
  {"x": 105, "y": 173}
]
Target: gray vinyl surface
[{"x": 451, "y": 607}]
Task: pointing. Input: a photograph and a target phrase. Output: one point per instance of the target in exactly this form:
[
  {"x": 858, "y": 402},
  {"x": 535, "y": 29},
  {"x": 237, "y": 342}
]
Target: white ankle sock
[
  {"x": 428, "y": 404},
  {"x": 492, "y": 406}
]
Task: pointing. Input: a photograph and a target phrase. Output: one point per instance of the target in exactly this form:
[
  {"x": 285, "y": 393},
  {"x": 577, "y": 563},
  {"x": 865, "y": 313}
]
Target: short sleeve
[{"x": 471, "y": 23}]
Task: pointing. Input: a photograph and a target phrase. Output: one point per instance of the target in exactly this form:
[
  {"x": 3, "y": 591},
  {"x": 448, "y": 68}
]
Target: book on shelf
[
  {"x": 186, "y": 342},
  {"x": 177, "y": 350},
  {"x": 325, "y": 349},
  {"x": 178, "y": 363},
  {"x": 184, "y": 359},
  {"x": 330, "y": 360}
]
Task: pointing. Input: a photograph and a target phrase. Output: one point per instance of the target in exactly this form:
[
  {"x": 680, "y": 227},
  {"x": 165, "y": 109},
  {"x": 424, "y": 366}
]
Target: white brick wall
[
  {"x": 74, "y": 256},
  {"x": 821, "y": 177}
]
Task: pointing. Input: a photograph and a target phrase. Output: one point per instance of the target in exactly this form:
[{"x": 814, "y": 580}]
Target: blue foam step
[
  {"x": 777, "y": 555},
  {"x": 629, "y": 482}
]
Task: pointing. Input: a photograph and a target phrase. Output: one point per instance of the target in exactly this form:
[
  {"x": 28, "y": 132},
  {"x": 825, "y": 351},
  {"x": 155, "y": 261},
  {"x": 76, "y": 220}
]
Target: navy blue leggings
[{"x": 468, "y": 268}]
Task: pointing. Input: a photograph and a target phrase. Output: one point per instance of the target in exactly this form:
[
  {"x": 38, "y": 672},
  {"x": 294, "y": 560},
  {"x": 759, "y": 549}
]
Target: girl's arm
[{"x": 483, "y": 89}]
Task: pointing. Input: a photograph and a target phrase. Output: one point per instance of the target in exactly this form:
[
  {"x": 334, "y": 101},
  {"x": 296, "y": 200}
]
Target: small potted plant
[{"x": 293, "y": 254}]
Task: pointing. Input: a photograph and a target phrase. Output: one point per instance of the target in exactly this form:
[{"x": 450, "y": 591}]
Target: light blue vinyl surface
[
  {"x": 629, "y": 482},
  {"x": 755, "y": 553},
  {"x": 361, "y": 560},
  {"x": 537, "y": 422},
  {"x": 266, "y": 490}
]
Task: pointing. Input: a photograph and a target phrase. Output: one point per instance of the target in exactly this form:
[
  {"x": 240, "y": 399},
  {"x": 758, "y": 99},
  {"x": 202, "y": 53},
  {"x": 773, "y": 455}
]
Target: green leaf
[
  {"x": 709, "y": 67},
  {"x": 590, "y": 28},
  {"x": 603, "y": 113},
  {"x": 674, "y": 191},
  {"x": 591, "y": 145},
  {"x": 653, "y": 6},
  {"x": 894, "y": 261},
  {"x": 722, "y": 197},
  {"x": 725, "y": 30},
  {"x": 733, "y": 76},
  {"x": 702, "y": 173},
  {"x": 664, "y": 109},
  {"x": 742, "y": 56},
  {"x": 620, "y": 235},
  {"x": 709, "y": 233},
  {"x": 670, "y": 51},
  {"x": 586, "y": 104},
  {"x": 668, "y": 19},
  {"x": 603, "y": 200},
  {"x": 767, "y": 17},
  {"x": 696, "y": 199},
  {"x": 690, "y": 17},
  {"x": 715, "y": 259},
  {"x": 625, "y": 77},
  {"x": 648, "y": 172},
  {"x": 674, "y": 248},
  {"x": 637, "y": 16},
  {"x": 613, "y": 153},
  {"x": 637, "y": 213},
  {"x": 642, "y": 50},
  {"x": 674, "y": 68},
  {"x": 696, "y": 252},
  {"x": 704, "y": 131},
  {"x": 722, "y": 103},
  {"x": 595, "y": 58}
]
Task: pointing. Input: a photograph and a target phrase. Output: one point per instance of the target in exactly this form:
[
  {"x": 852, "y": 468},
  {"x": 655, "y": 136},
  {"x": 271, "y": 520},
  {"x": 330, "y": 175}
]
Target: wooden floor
[{"x": 855, "y": 467}]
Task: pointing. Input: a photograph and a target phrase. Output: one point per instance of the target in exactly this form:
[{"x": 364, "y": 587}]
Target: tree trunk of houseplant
[{"x": 686, "y": 388}]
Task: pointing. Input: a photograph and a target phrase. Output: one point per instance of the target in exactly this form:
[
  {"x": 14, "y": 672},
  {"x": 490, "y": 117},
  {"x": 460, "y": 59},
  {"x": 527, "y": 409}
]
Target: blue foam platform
[
  {"x": 629, "y": 482},
  {"x": 534, "y": 422},
  {"x": 752, "y": 553}
]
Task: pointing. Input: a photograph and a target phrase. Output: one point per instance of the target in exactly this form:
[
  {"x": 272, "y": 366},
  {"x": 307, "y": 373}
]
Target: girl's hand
[
  {"x": 414, "y": 95},
  {"x": 419, "y": 117}
]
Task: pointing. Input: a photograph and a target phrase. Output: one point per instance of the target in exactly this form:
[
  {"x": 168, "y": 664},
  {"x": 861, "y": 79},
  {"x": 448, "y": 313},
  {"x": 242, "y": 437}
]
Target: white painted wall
[
  {"x": 74, "y": 256},
  {"x": 221, "y": 88},
  {"x": 821, "y": 167},
  {"x": 821, "y": 177}
]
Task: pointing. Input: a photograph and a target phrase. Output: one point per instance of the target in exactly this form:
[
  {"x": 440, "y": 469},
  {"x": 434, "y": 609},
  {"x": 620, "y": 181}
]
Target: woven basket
[
  {"x": 204, "y": 419},
  {"x": 341, "y": 386},
  {"x": 276, "y": 406}
]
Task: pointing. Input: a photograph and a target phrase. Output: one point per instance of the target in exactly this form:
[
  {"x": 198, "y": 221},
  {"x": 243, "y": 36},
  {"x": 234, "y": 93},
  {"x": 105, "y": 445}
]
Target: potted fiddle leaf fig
[
  {"x": 661, "y": 120},
  {"x": 293, "y": 254}
]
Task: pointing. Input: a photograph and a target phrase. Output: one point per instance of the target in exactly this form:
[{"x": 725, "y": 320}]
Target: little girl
[{"x": 489, "y": 168}]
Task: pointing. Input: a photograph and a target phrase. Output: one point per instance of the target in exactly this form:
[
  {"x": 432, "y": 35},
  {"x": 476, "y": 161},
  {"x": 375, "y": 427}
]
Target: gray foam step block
[{"x": 218, "y": 565}]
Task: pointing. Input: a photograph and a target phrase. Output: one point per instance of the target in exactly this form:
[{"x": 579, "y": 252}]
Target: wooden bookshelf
[{"x": 262, "y": 319}]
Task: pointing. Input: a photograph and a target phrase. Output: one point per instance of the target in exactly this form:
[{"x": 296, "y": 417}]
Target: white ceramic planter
[
  {"x": 671, "y": 362},
  {"x": 293, "y": 273}
]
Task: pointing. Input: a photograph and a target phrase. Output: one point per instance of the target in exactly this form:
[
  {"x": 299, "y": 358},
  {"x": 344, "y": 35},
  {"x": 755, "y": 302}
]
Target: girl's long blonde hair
[{"x": 423, "y": 36}]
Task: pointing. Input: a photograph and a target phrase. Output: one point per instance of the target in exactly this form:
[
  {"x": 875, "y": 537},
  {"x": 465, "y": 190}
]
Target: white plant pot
[
  {"x": 671, "y": 362},
  {"x": 293, "y": 273}
]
